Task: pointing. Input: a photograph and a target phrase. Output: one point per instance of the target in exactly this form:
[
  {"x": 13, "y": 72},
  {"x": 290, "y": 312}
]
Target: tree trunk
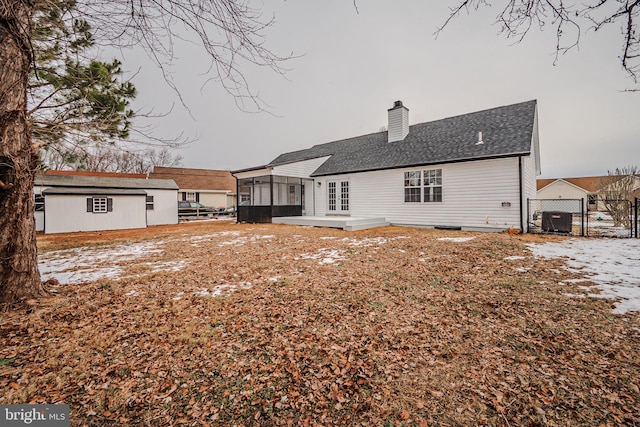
[{"x": 19, "y": 275}]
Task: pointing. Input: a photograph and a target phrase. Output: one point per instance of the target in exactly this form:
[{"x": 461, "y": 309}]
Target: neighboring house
[
  {"x": 586, "y": 188},
  {"x": 68, "y": 203},
  {"x": 474, "y": 171},
  {"x": 216, "y": 188}
]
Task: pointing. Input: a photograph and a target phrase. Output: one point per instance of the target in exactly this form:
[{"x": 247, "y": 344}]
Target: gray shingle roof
[
  {"x": 92, "y": 191},
  {"x": 102, "y": 182},
  {"x": 507, "y": 131}
]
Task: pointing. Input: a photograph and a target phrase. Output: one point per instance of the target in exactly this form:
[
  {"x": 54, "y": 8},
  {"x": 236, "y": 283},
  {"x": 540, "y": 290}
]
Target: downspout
[
  {"x": 521, "y": 193},
  {"x": 237, "y": 200}
]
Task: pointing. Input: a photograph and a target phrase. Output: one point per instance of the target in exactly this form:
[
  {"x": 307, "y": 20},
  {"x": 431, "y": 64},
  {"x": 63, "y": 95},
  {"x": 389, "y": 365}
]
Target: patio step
[{"x": 345, "y": 223}]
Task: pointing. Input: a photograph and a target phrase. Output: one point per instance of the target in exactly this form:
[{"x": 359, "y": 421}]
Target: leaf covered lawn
[{"x": 283, "y": 325}]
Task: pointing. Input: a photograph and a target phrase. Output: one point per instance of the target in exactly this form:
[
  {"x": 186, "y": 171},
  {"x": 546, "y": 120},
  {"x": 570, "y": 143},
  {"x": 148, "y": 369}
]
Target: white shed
[{"x": 87, "y": 203}]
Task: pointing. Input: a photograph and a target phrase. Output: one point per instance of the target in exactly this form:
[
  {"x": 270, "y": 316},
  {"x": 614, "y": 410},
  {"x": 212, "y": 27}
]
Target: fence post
[
  {"x": 528, "y": 221},
  {"x": 582, "y": 217},
  {"x": 587, "y": 216},
  {"x": 635, "y": 217},
  {"x": 631, "y": 219}
]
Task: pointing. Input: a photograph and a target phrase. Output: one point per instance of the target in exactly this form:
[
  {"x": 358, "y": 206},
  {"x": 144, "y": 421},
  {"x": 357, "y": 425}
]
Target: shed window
[
  {"x": 99, "y": 204},
  {"x": 149, "y": 203},
  {"x": 39, "y": 203}
]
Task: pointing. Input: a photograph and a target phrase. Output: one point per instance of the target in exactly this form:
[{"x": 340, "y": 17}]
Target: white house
[
  {"x": 216, "y": 188},
  {"x": 474, "y": 172},
  {"x": 68, "y": 203}
]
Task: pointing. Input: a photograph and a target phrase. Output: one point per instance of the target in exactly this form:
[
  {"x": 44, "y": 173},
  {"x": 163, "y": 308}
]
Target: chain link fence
[
  {"x": 577, "y": 217},
  {"x": 611, "y": 218},
  {"x": 556, "y": 216}
]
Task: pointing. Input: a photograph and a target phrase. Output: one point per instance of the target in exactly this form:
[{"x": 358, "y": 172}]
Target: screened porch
[{"x": 262, "y": 198}]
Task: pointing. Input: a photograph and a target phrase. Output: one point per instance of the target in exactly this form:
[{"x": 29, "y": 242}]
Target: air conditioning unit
[{"x": 556, "y": 222}]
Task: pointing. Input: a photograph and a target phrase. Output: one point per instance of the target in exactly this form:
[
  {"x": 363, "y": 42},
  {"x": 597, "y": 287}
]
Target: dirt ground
[{"x": 284, "y": 325}]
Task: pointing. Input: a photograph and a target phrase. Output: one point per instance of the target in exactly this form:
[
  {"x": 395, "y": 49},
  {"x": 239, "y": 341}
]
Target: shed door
[{"x": 338, "y": 197}]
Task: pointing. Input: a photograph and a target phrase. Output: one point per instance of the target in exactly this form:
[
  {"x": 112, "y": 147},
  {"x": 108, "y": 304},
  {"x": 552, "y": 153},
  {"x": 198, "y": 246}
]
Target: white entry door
[{"x": 338, "y": 197}]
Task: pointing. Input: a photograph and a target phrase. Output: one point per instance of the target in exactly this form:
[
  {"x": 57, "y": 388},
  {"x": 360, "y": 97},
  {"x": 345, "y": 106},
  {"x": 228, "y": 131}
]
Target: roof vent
[
  {"x": 480, "y": 141},
  {"x": 398, "y": 122}
]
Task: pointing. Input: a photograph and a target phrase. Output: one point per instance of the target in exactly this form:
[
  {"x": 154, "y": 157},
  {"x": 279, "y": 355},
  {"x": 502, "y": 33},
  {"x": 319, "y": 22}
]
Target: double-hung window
[
  {"x": 412, "y": 186},
  {"x": 423, "y": 186},
  {"x": 433, "y": 185}
]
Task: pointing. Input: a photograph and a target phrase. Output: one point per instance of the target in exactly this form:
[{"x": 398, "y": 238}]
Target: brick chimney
[{"x": 398, "y": 122}]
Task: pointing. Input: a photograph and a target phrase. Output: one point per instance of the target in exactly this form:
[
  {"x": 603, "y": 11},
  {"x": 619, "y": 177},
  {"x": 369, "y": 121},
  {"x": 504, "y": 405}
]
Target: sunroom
[{"x": 263, "y": 196}]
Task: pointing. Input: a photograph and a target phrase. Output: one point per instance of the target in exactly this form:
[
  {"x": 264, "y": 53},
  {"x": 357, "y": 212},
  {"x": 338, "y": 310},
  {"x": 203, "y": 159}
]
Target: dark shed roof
[
  {"x": 89, "y": 191},
  {"x": 506, "y": 131},
  {"x": 104, "y": 182}
]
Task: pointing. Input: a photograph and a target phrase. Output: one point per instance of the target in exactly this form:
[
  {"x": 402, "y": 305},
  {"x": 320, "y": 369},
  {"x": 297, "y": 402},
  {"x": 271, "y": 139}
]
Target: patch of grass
[{"x": 7, "y": 361}]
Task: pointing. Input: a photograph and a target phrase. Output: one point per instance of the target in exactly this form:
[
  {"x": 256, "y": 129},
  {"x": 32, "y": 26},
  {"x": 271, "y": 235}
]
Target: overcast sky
[{"x": 353, "y": 65}]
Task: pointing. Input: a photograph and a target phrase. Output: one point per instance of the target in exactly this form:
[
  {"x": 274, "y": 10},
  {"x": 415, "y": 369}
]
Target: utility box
[{"x": 556, "y": 222}]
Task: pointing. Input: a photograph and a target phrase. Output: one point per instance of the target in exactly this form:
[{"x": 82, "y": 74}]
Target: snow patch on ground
[
  {"x": 244, "y": 240},
  {"x": 613, "y": 264},
  {"x": 219, "y": 290},
  {"x": 167, "y": 266},
  {"x": 456, "y": 239},
  {"x": 79, "y": 265},
  {"x": 325, "y": 256},
  {"x": 211, "y": 236}
]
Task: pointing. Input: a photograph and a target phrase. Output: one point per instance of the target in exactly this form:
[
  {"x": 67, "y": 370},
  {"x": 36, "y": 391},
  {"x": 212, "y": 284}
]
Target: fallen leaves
[{"x": 388, "y": 326}]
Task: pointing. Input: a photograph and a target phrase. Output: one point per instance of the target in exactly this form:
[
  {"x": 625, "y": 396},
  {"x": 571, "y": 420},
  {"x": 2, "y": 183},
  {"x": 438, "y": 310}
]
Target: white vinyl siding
[
  {"x": 301, "y": 169},
  {"x": 165, "y": 207},
  {"x": 68, "y": 213},
  {"x": 473, "y": 196},
  {"x": 213, "y": 198}
]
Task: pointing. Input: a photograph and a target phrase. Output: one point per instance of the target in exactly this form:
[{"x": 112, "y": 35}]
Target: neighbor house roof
[
  {"x": 100, "y": 182},
  {"x": 507, "y": 131},
  {"x": 590, "y": 184},
  {"x": 197, "y": 179},
  {"x": 93, "y": 191}
]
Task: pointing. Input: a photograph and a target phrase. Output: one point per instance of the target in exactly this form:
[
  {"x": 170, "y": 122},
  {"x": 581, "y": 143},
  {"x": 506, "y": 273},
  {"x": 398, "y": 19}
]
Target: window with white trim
[
  {"x": 344, "y": 195},
  {"x": 423, "y": 186},
  {"x": 99, "y": 204},
  {"x": 149, "y": 203},
  {"x": 412, "y": 186},
  {"x": 432, "y": 185},
  {"x": 191, "y": 196}
]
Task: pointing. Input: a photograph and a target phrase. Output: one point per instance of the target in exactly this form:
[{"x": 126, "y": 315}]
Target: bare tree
[
  {"x": 100, "y": 158},
  {"x": 615, "y": 191},
  {"x": 569, "y": 20},
  {"x": 230, "y": 32}
]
